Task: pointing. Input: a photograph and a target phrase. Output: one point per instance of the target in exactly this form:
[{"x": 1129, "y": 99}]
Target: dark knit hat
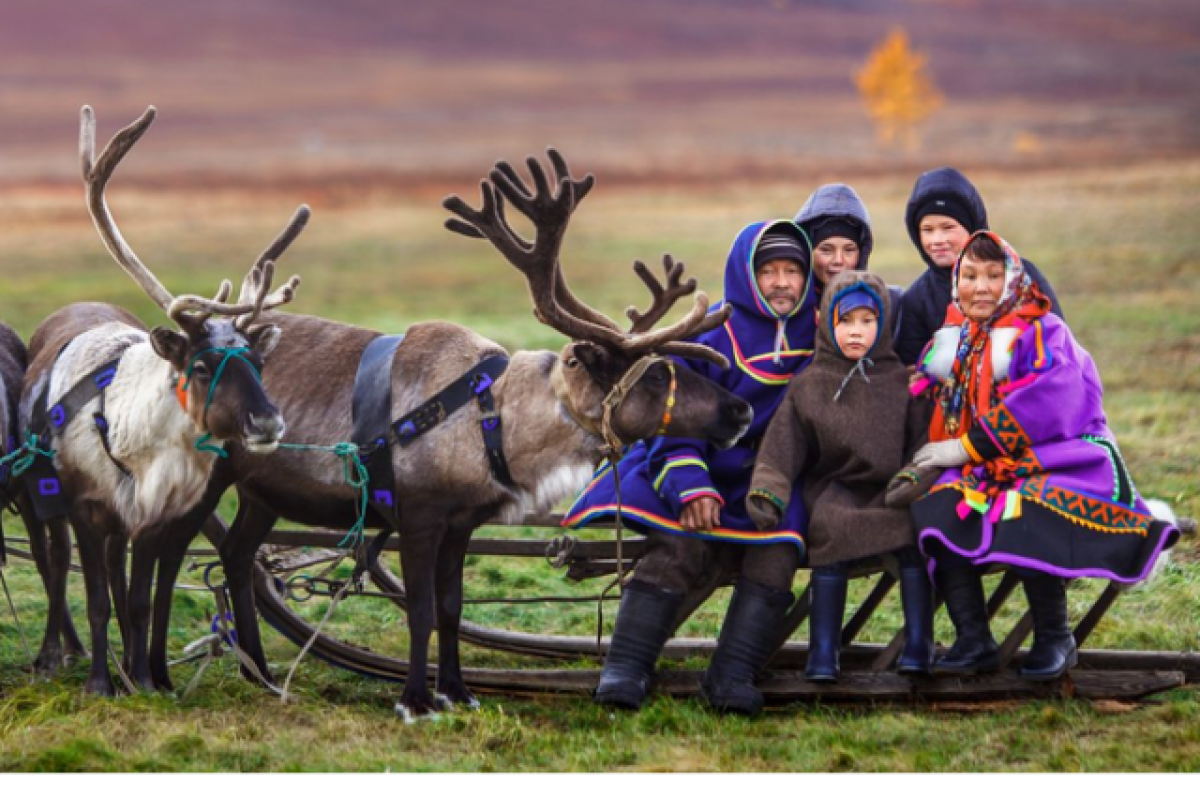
[
  {"x": 780, "y": 246},
  {"x": 835, "y": 227},
  {"x": 948, "y": 205}
]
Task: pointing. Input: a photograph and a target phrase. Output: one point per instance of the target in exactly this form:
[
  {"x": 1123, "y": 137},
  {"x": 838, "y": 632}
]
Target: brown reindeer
[
  {"x": 556, "y": 410},
  {"x": 14, "y": 359},
  {"x": 128, "y": 413}
]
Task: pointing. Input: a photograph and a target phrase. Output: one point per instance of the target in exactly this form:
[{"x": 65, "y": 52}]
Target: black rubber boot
[
  {"x": 825, "y": 627},
  {"x": 1053, "y": 651},
  {"x": 644, "y": 624},
  {"x": 974, "y": 648},
  {"x": 750, "y": 634},
  {"x": 916, "y": 596}
]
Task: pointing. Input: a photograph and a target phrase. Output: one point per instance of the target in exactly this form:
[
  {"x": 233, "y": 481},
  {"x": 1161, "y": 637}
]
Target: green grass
[{"x": 1119, "y": 245}]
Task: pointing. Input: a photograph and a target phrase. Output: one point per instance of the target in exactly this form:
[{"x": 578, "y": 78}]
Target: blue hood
[
  {"x": 945, "y": 181},
  {"x": 838, "y": 200},
  {"x": 741, "y": 288},
  {"x": 755, "y": 326}
]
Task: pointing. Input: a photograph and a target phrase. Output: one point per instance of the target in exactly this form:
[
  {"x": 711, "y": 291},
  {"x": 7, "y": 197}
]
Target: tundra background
[{"x": 695, "y": 123}]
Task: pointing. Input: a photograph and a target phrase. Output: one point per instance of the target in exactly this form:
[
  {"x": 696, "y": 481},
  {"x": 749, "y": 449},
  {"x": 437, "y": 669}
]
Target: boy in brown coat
[{"x": 846, "y": 427}]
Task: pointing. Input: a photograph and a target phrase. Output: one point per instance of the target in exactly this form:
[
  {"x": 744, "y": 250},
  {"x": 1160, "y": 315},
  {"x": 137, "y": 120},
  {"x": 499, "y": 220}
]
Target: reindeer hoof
[
  {"x": 47, "y": 665},
  {"x": 448, "y": 702},
  {"x": 411, "y": 717},
  {"x": 101, "y": 688}
]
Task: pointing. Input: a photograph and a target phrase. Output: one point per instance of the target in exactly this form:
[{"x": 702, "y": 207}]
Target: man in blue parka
[{"x": 689, "y": 497}]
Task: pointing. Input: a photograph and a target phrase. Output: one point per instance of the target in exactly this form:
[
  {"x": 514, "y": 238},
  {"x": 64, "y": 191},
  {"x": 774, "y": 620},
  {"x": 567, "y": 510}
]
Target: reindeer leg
[
  {"x": 176, "y": 538},
  {"x": 60, "y": 559},
  {"x": 418, "y": 558},
  {"x": 146, "y": 546},
  {"x": 451, "y": 558},
  {"x": 50, "y": 656},
  {"x": 249, "y": 530},
  {"x": 95, "y": 576},
  {"x": 115, "y": 551}
]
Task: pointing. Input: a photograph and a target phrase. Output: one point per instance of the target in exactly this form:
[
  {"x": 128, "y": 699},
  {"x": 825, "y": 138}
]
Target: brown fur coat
[{"x": 846, "y": 450}]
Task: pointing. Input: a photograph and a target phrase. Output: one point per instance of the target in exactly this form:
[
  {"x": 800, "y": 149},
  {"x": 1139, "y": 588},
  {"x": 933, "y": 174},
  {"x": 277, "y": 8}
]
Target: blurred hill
[{"x": 692, "y": 89}]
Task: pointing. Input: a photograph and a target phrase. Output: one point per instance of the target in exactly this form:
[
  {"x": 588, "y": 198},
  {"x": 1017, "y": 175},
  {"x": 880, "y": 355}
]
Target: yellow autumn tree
[{"x": 898, "y": 92}]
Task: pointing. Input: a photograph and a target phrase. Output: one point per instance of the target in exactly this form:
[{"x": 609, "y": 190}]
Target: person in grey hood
[
  {"x": 943, "y": 211},
  {"x": 839, "y": 227}
]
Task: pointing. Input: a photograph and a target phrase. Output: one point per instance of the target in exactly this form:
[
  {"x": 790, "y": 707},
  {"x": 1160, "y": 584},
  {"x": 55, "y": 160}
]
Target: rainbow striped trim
[
  {"x": 678, "y": 462},
  {"x": 759, "y": 375},
  {"x": 700, "y": 492},
  {"x": 670, "y": 526},
  {"x": 600, "y": 473}
]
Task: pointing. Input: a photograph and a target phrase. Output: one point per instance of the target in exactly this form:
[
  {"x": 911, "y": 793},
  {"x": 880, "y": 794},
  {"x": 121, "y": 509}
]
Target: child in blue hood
[
  {"x": 845, "y": 429},
  {"x": 690, "y": 498}
]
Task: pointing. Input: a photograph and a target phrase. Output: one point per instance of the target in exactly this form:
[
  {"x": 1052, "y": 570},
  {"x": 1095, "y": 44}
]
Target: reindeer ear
[
  {"x": 171, "y": 346},
  {"x": 598, "y": 362},
  {"x": 263, "y": 339}
]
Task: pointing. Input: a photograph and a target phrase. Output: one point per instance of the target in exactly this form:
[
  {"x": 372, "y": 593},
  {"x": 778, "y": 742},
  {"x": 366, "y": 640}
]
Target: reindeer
[
  {"x": 556, "y": 412},
  {"x": 129, "y": 413},
  {"x": 14, "y": 359}
]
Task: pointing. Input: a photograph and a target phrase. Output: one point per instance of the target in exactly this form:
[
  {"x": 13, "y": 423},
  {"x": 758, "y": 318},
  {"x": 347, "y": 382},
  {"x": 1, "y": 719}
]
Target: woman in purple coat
[{"x": 1033, "y": 478}]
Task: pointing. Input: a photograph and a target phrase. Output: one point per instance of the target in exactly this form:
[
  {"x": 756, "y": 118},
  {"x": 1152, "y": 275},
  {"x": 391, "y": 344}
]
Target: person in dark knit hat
[
  {"x": 689, "y": 498},
  {"x": 943, "y": 211},
  {"x": 839, "y": 227}
]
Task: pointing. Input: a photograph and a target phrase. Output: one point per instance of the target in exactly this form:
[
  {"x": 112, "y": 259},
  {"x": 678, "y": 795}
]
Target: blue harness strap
[
  {"x": 41, "y": 478},
  {"x": 371, "y": 411},
  {"x": 474, "y": 384}
]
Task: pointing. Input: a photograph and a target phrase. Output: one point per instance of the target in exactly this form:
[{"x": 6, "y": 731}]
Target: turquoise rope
[
  {"x": 355, "y": 474},
  {"x": 22, "y": 458},
  {"x": 229, "y": 352}
]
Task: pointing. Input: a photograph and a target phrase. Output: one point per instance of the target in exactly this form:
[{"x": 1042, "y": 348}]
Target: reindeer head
[
  {"x": 618, "y": 383},
  {"x": 217, "y": 351}
]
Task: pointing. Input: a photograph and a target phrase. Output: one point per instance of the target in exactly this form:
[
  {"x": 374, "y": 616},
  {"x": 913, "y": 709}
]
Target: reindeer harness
[
  {"x": 371, "y": 409},
  {"x": 42, "y": 478}
]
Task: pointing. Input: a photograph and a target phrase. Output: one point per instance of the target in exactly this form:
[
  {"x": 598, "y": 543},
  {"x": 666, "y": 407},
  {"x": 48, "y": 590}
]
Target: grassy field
[{"x": 1119, "y": 244}]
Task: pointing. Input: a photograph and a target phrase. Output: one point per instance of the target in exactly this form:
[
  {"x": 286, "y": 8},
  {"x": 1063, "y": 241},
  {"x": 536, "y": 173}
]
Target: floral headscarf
[{"x": 967, "y": 392}]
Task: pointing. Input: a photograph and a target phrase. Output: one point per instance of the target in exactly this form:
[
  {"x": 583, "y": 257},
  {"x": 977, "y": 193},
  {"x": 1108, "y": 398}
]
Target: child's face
[
  {"x": 980, "y": 286},
  {"x": 780, "y": 282},
  {"x": 856, "y": 332},
  {"x": 833, "y": 256},
  {"x": 942, "y": 238}
]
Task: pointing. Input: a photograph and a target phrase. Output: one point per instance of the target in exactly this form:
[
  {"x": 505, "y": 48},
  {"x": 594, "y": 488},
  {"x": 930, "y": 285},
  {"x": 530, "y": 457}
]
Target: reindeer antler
[
  {"x": 96, "y": 173},
  {"x": 255, "y": 288},
  {"x": 186, "y": 310},
  {"x": 554, "y": 304},
  {"x": 663, "y": 298}
]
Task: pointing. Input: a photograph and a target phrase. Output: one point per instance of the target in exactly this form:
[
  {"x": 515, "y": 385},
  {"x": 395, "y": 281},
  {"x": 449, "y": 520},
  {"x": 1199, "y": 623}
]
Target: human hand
[
  {"x": 946, "y": 454},
  {"x": 910, "y": 484},
  {"x": 703, "y": 514},
  {"x": 765, "y": 513}
]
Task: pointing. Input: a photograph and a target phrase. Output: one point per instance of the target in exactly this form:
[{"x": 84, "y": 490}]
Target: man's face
[
  {"x": 942, "y": 238},
  {"x": 780, "y": 283},
  {"x": 833, "y": 256}
]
